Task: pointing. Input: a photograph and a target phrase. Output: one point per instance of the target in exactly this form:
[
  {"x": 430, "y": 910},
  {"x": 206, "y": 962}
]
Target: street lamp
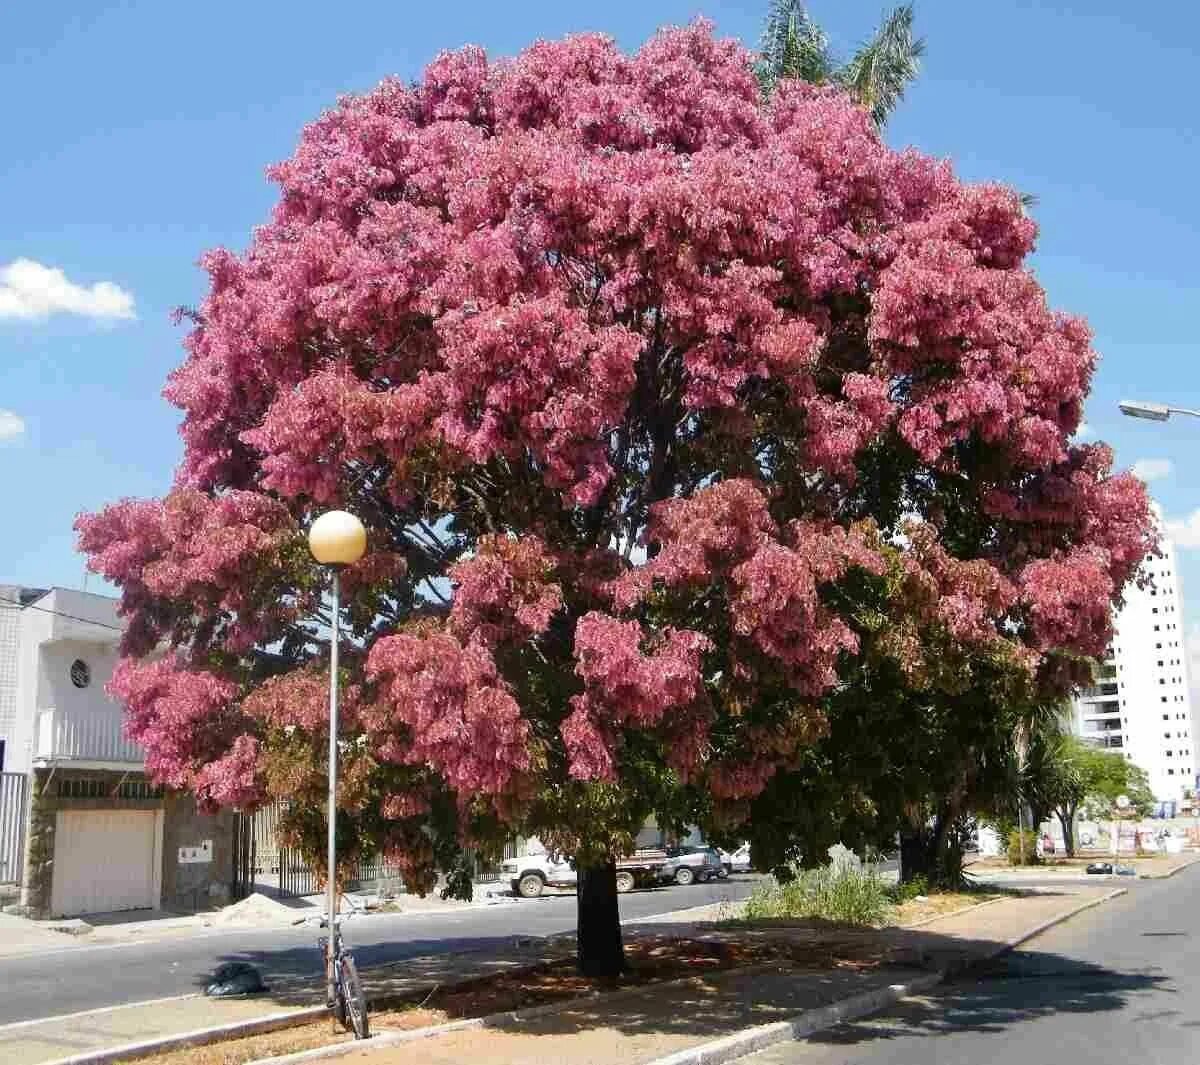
[
  {"x": 336, "y": 539},
  {"x": 1153, "y": 412}
]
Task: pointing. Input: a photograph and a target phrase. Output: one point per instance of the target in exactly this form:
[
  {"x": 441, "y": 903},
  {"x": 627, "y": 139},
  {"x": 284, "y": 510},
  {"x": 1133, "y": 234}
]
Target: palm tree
[{"x": 793, "y": 46}]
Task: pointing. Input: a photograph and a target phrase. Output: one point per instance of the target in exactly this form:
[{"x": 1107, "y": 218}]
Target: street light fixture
[
  {"x": 1154, "y": 412},
  {"x": 335, "y": 539}
]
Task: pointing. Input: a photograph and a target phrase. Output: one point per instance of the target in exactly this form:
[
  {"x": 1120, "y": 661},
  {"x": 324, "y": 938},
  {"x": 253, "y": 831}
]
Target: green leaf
[
  {"x": 880, "y": 71},
  {"x": 792, "y": 46}
]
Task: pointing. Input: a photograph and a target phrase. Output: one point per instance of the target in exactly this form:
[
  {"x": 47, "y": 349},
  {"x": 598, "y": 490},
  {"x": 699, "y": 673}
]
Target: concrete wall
[
  {"x": 197, "y": 856},
  {"x": 10, "y": 627},
  {"x": 49, "y": 641}
]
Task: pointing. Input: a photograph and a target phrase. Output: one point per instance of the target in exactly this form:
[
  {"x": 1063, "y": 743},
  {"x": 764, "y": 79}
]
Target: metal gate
[
  {"x": 261, "y": 864},
  {"x": 14, "y": 794}
]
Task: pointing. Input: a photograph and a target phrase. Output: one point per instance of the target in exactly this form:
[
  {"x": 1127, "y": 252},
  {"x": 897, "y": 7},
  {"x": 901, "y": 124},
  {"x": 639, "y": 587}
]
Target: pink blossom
[
  {"x": 504, "y": 591},
  {"x": 443, "y": 704}
]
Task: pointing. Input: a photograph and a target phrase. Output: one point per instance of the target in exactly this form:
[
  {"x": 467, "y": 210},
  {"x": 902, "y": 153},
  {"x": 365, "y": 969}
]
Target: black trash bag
[
  {"x": 1100, "y": 867},
  {"x": 235, "y": 978}
]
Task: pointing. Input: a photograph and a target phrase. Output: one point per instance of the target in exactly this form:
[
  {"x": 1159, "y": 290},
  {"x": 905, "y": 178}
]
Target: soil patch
[{"x": 651, "y": 960}]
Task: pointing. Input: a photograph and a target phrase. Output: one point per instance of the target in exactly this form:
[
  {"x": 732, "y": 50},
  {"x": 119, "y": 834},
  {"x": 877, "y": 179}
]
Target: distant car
[
  {"x": 687, "y": 865},
  {"x": 531, "y": 874},
  {"x": 737, "y": 861}
]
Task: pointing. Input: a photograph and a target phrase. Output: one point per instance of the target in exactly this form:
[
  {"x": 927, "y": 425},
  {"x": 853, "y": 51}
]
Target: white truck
[{"x": 531, "y": 874}]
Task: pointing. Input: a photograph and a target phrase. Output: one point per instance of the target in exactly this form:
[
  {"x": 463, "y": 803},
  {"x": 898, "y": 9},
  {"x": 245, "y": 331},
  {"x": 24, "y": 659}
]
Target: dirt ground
[
  {"x": 936, "y": 905},
  {"x": 650, "y": 961}
]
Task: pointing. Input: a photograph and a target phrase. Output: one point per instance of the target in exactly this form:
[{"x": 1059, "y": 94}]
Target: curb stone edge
[{"x": 751, "y": 1040}]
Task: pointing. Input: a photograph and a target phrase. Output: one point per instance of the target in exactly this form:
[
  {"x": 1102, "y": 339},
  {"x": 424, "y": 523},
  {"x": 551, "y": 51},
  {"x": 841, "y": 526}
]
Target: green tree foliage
[{"x": 793, "y": 46}]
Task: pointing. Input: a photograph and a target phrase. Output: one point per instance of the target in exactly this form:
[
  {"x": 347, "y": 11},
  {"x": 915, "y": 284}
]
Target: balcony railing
[
  {"x": 94, "y": 735},
  {"x": 1100, "y": 691}
]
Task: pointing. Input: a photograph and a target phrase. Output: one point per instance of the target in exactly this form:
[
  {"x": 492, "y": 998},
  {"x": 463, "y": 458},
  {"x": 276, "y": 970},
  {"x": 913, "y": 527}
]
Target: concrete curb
[
  {"x": 260, "y": 1025},
  {"x": 750, "y": 1040},
  {"x": 1170, "y": 873}
]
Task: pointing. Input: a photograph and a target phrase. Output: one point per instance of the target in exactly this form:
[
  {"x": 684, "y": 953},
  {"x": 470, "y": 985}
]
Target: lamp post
[
  {"x": 335, "y": 539},
  {"x": 1153, "y": 412}
]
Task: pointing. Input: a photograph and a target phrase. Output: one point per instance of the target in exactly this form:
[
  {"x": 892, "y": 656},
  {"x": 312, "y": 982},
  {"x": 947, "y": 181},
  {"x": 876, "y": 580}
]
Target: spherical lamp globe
[{"x": 337, "y": 538}]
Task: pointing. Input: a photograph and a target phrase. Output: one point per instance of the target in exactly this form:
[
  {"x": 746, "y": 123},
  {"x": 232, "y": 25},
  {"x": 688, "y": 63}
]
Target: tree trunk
[
  {"x": 599, "y": 948},
  {"x": 922, "y": 851},
  {"x": 1068, "y": 826},
  {"x": 912, "y": 856}
]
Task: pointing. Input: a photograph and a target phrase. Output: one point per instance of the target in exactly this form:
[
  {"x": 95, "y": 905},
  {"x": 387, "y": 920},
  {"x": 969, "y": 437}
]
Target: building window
[
  {"x": 1156, "y": 628},
  {"x": 1166, "y": 717},
  {"x": 1160, "y": 661},
  {"x": 81, "y": 673},
  {"x": 1170, "y": 772},
  {"x": 1164, "y": 698}
]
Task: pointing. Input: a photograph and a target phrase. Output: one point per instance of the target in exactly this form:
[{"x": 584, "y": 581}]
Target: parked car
[
  {"x": 686, "y": 865},
  {"x": 530, "y": 875},
  {"x": 737, "y": 861}
]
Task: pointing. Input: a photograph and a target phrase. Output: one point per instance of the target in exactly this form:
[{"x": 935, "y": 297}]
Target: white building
[
  {"x": 1140, "y": 704},
  {"x": 82, "y": 829},
  {"x": 57, "y": 652}
]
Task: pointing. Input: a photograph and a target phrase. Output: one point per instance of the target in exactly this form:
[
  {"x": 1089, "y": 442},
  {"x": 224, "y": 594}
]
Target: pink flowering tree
[{"x": 681, "y": 422}]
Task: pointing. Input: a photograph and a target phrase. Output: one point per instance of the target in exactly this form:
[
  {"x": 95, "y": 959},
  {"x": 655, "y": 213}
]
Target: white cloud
[
  {"x": 1152, "y": 469},
  {"x": 30, "y": 291},
  {"x": 1186, "y": 531},
  {"x": 11, "y": 425},
  {"x": 1084, "y": 431}
]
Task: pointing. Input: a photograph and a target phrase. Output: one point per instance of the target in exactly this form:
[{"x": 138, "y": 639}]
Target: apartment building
[{"x": 1140, "y": 704}]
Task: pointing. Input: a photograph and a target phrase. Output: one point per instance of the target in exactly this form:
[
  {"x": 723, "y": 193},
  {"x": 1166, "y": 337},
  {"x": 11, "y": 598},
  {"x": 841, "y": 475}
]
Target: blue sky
[{"x": 136, "y": 136}]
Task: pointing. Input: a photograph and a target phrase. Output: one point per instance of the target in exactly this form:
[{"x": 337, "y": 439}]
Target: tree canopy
[{"x": 706, "y": 445}]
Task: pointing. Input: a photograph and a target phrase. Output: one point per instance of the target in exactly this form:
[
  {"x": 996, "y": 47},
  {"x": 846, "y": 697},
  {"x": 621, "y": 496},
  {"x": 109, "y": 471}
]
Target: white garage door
[{"x": 105, "y": 860}]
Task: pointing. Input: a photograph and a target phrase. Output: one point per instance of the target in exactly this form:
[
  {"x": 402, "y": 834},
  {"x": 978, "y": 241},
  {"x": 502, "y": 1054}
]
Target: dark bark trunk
[
  {"x": 599, "y": 948},
  {"x": 922, "y": 851},
  {"x": 1068, "y": 826},
  {"x": 917, "y": 858}
]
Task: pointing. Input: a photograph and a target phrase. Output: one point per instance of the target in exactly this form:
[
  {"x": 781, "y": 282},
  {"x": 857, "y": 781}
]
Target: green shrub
[
  {"x": 1030, "y": 845},
  {"x": 918, "y": 885},
  {"x": 846, "y": 895}
]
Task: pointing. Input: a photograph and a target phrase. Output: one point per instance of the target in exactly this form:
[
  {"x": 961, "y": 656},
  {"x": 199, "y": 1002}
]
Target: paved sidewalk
[
  {"x": 19, "y": 936},
  {"x": 33, "y": 1042},
  {"x": 1145, "y": 868},
  {"x": 636, "y": 1030}
]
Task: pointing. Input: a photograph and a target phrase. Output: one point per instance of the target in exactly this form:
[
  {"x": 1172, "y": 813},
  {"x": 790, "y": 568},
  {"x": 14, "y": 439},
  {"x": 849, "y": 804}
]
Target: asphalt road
[
  {"x": 86, "y": 977},
  {"x": 1118, "y": 984}
]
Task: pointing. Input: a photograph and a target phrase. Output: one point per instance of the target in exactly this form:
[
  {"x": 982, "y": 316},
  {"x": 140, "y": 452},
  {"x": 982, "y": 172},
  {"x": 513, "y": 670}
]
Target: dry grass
[{"x": 937, "y": 905}]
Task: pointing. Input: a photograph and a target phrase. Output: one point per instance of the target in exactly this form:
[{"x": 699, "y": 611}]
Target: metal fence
[
  {"x": 14, "y": 794},
  {"x": 262, "y": 864}
]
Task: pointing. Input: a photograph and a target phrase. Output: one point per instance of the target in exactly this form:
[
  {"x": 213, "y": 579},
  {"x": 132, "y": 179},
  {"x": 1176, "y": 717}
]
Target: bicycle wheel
[{"x": 356, "y": 1001}]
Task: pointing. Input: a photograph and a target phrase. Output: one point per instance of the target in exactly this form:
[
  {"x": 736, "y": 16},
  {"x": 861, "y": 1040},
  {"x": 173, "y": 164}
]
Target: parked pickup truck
[{"x": 532, "y": 874}]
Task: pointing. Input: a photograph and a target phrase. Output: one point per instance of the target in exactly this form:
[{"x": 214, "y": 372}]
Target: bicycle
[{"x": 344, "y": 989}]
